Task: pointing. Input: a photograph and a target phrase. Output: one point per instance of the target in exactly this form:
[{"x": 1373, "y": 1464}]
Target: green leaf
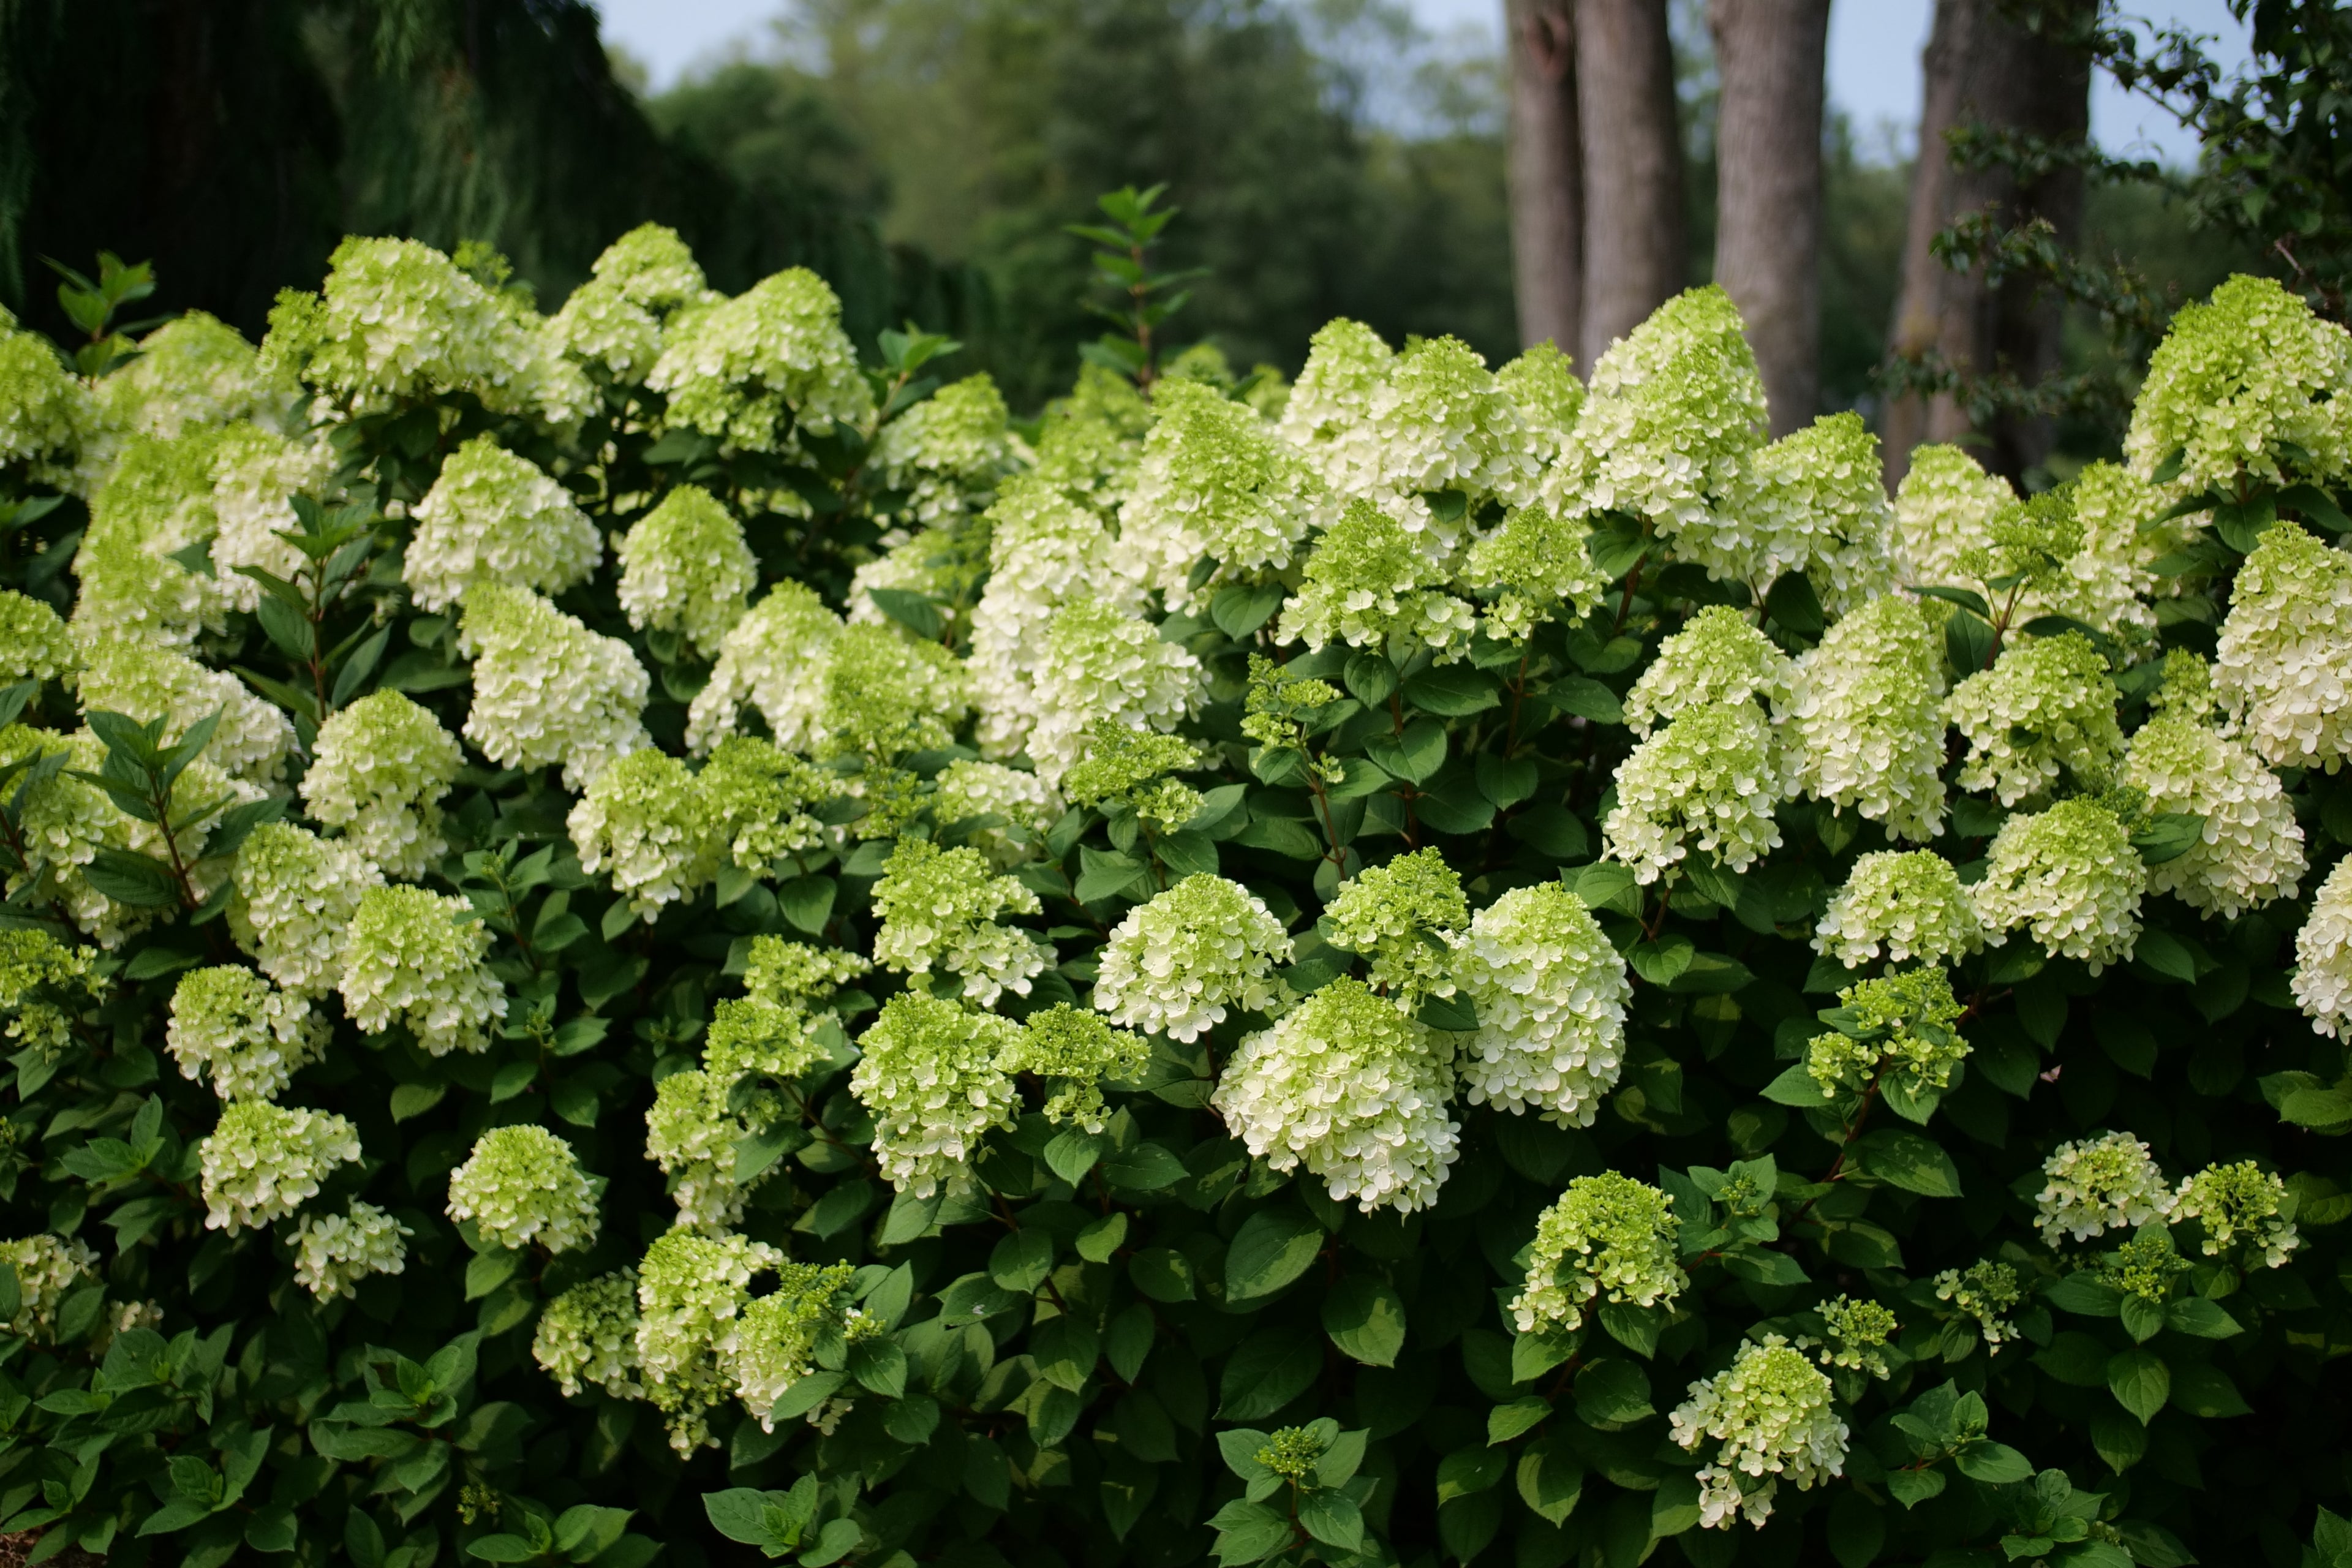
[
  {"x": 1910, "y": 1161},
  {"x": 2169, "y": 835},
  {"x": 807, "y": 902},
  {"x": 1022, "y": 1260},
  {"x": 1273, "y": 1247},
  {"x": 2140, "y": 1381},
  {"x": 1271, "y": 1368},
  {"x": 1332, "y": 1518},
  {"x": 1163, "y": 1273},
  {"x": 2206, "y": 1391},
  {"x": 1105, "y": 875},
  {"x": 2143, "y": 1319},
  {"x": 1413, "y": 756},
  {"x": 1587, "y": 698},
  {"x": 1503, "y": 781},
  {"x": 1661, "y": 963},
  {"x": 1366, "y": 1318},
  {"x": 1455, "y": 1014},
  {"x": 1240, "y": 610},
  {"x": 1856, "y": 1529},
  {"x": 2204, "y": 1320},
  {"x": 1912, "y": 1487},
  {"x": 1794, "y": 606},
  {"x": 1796, "y": 1087},
  {"x": 1994, "y": 1464},
  {"x": 1551, "y": 1479},
  {"x": 1612, "y": 1392},
  {"x": 913, "y": 611},
  {"x": 129, "y": 877},
  {"x": 1451, "y": 692},
  {"x": 1505, "y": 1422},
  {"x": 501, "y": 1549}
]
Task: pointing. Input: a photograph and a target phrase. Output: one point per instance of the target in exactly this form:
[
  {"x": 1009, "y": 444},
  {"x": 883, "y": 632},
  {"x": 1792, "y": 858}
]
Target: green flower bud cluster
[
  {"x": 1125, "y": 767},
  {"x": 1986, "y": 1293},
  {"x": 47, "y": 1269},
  {"x": 2239, "y": 382},
  {"x": 1909, "y": 903},
  {"x": 42, "y": 984},
  {"x": 1823, "y": 498},
  {"x": 753, "y": 369},
  {"x": 1769, "y": 1412},
  {"x": 1896, "y": 1030},
  {"x": 1530, "y": 568},
  {"x": 1854, "y": 1335},
  {"x": 1403, "y": 918},
  {"x": 249, "y": 1036},
  {"x": 1214, "y": 481},
  {"x": 1005, "y": 811},
  {"x": 1080, "y": 1051},
  {"x": 1370, "y": 584},
  {"x": 776, "y": 1346},
  {"x": 44, "y": 412},
  {"x": 587, "y": 1336},
  {"x": 1609, "y": 1238},
  {"x": 942, "y": 907},
  {"x": 2239, "y": 1207},
  {"x": 948, "y": 451},
  {"x": 691, "y": 1130},
  {"x": 2145, "y": 1265},
  {"x": 1717, "y": 658},
  {"x": 34, "y": 643}
]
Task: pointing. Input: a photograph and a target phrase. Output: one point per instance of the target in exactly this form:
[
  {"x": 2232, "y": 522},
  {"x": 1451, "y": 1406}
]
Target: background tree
[
  {"x": 1634, "y": 254},
  {"x": 1546, "y": 172}
]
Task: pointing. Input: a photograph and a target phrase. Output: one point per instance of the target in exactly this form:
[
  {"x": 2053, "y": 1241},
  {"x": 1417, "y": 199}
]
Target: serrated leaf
[{"x": 1273, "y": 1247}]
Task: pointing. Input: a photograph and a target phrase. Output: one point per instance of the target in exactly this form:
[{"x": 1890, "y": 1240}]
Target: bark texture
[
  {"x": 1547, "y": 174},
  {"x": 1771, "y": 55},
  {"x": 1983, "y": 68},
  {"x": 1632, "y": 166}
]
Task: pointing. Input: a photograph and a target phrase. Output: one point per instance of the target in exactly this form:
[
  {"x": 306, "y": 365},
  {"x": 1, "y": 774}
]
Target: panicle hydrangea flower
[
  {"x": 1770, "y": 1410},
  {"x": 692, "y": 1290},
  {"x": 1987, "y": 1292},
  {"x": 588, "y": 1337},
  {"x": 546, "y": 689},
  {"x": 614, "y": 319},
  {"x": 653, "y": 266},
  {"x": 776, "y": 1346},
  {"x": 1090, "y": 440},
  {"x": 522, "y": 1184},
  {"x": 1025, "y": 804},
  {"x": 2238, "y": 384},
  {"x": 932, "y": 1079},
  {"x": 1909, "y": 902},
  {"x": 149, "y": 681},
  {"x": 1368, "y": 582},
  {"x": 37, "y": 972},
  {"x": 154, "y": 502},
  {"x": 1330, "y": 415},
  {"x": 2071, "y": 875},
  {"x": 1078, "y": 1050},
  {"x": 1865, "y": 717},
  {"x": 948, "y": 451},
  {"x": 250, "y": 1037},
  {"x": 756, "y": 802},
  {"x": 749, "y": 1038},
  {"x": 1441, "y": 421},
  {"x": 296, "y": 894},
  {"x": 34, "y": 643},
  {"x": 1099, "y": 663},
  {"x": 2237, "y": 1205},
  {"x": 2046, "y": 709},
  {"x": 192, "y": 369},
  {"x": 1717, "y": 657},
  {"x": 415, "y": 957},
  {"x": 794, "y": 974},
  {"x": 494, "y": 517},
  {"x": 398, "y": 321},
  {"x": 44, "y": 409},
  {"x": 1541, "y": 383},
  {"x": 1609, "y": 1237},
  {"x": 2282, "y": 666},
  {"x": 1856, "y": 1334},
  {"x": 2145, "y": 1265},
  {"x": 767, "y": 660},
  {"x": 2108, "y": 583},
  {"x": 1550, "y": 990},
  {"x": 1401, "y": 917},
  {"x": 333, "y": 1252},
  {"x": 1530, "y": 567},
  {"x": 64, "y": 821},
  {"x": 1671, "y": 424},
  {"x": 48, "y": 1270},
  {"x": 1214, "y": 480},
  {"x": 690, "y": 1134},
  {"x": 750, "y": 370},
  {"x": 2251, "y": 852},
  {"x": 1175, "y": 964},
  {"x": 1943, "y": 509},
  {"x": 1902, "y": 1033},
  {"x": 1354, "y": 1089},
  {"x": 643, "y": 822},
  {"x": 2322, "y": 956},
  {"x": 1711, "y": 774},
  {"x": 685, "y": 568},
  {"x": 1125, "y": 767},
  {"x": 941, "y": 906},
  {"x": 1825, "y": 513},
  {"x": 256, "y": 472},
  {"x": 2098, "y": 1184},
  {"x": 886, "y": 694},
  {"x": 1044, "y": 550},
  {"x": 379, "y": 772},
  {"x": 263, "y": 1161}
]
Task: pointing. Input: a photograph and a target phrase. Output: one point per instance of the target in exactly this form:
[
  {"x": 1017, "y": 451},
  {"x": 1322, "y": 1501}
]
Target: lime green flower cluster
[
  {"x": 1717, "y": 657},
  {"x": 753, "y": 370},
  {"x": 1551, "y": 991},
  {"x": 942, "y": 907},
  {"x": 1823, "y": 497},
  {"x": 1370, "y": 584},
  {"x": 1127, "y": 768},
  {"x": 1403, "y": 918},
  {"x": 1715, "y": 775},
  {"x": 2241, "y": 1206},
  {"x": 495, "y": 517},
  {"x": 1856, "y": 1335},
  {"x": 547, "y": 691},
  {"x": 333, "y": 1252},
  {"x": 44, "y": 412},
  {"x": 1986, "y": 1293},
  {"x": 523, "y": 1186},
  {"x": 247, "y": 1035},
  {"x": 42, "y": 983},
  {"x": 1769, "y": 1412},
  {"x": 932, "y": 1080},
  {"x": 768, "y": 661},
  {"x": 1175, "y": 965},
  {"x": 616, "y": 321},
  {"x": 2070, "y": 876},
  {"x": 685, "y": 569},
  {"x": 692, "y": 1293},
  {"x": 1215, "y": 481},
  {"x": 2251, "y": 852},
  {"x": 2247, "y": 386},
  {"x": 1864, "y": 712},
  {"x": 2323, "y": 955},
  {"x": 34, "y": 643},
  {"x": 1896, "y": 1029},
  {"x": 1609, "y": 1238},
  {"x": 587, "y": 1336},
  {"x": 1911, "y": 904},
  {"x": 47, "y": 1268},
  {"x": 2093, "y": 1185},
  {"x": 415, "y": 957},
  {"x": 379, "y": 771},
  {"x": 1079, "y": 1052},
  {"x": 263, "y": 1162},
  {"x": 2279, "y": 664},
  {"x": 1099, "y": 665},
  {"x": 2044, "y": 712}
]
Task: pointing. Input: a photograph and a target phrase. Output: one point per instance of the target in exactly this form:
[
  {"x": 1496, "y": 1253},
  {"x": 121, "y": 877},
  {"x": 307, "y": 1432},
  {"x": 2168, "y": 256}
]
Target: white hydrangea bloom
[
  {"x": 1369, "y": 580},
  {"x": 1911, "y": 902},
  {"x": 2107, "y": 583},
  {"x": 1987, "y": 1292},
  {"x": 1823, "y": 493},
  {"x": 153, "y": 504},
  {"x": 1097, "y": 663},
  {"x": 1529, "y": 568},
  {"x": 1717, "y": 657},
  {"x": 2071, "y": 876},
  {"x": 1610, "y": 1236},
  {"x": 1550, "y": 990},
  {"x": 1770, "y": 1410},
  {"x": 379, "y": 771},
  {"x": 495, "y": 517},
  {"x": 692, "y": 1292},
  {"x": 263, "y": 1161},
  {"x": 1354, "y": 1089},
  {"x": 546, "y": 689},
  {"x": 1026, "y": 805},
  {"x": 2240, "y": 1203},
  {"x": 523, "y": 1185},
  {"x": 588, "y": 1336},
  {"x": 929, "y": 1076},
  {"x": 1865, "y": 718},
  {"x": 885, "y": 694},
  {"x": 333, "y": 1252},
  {"x": 1944, "y": 508},
  {"x": 1441, "y": 421},
  {"x": 249, "y": 1036},
  {"x": 750, "y": 370},
  {"x": 2046, "y": 709},
  {"x": 1403, "y": 917},
  {"x": 1713, "y": 774},
  {"x": 2239, "y": 385},
  {"x": 1948, "y": 508},
  {"x": 146, "y": 681},
  {"x": 942, "y": 906},
  {"x": 1044, "y": 550},
  {"x": 1541, "y": 384},
  {"x": 691, "y": 1135},
  {"x": 2250, "y": 853},
  {"x": 614, "y": 319},
  {"x": 256, "y": 472},
  {"x": 415, "y": 957},
  {"x": 64, "y": 820},
  {"x": 685, "y": 568},
  {"x": 778, "y": 1345},
  {"x": 2282, "y": 666},
  {"x": 1215, "y": 481},
  {"x": 45, "y": 409},
  {"x": 398, "y": 321},
  {"x": 34, "y": 645},
  {"x": 948, "y": 452},
  {"x": 643, "y": 822},
  {"x": 1330, "y": 415},
  {"x": 48, "y": 1268},
  {"x": 766, "y": 660},
  {"x": 2098, "y": 1184},
  {"x": 1175, "y": 965},
  {"x": 2322, "y": 956},
  {"x": 296, "y": 894}
]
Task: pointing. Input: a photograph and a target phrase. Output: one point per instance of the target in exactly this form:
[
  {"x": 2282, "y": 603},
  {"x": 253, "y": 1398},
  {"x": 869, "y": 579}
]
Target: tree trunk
[
  {"x": 1982, "y": 69},
  {"x": 1547, "y": 174},
  {"x": 1632, "y": 166},
  {"x": 1767, "y": 237}
]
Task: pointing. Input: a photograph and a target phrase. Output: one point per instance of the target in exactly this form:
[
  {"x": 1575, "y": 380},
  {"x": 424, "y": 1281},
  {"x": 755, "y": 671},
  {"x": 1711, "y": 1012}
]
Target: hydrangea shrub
[{"x": 637, "y": 934}]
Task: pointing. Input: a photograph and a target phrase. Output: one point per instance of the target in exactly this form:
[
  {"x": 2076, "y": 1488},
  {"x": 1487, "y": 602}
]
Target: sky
[{"x": 1873, "y": 64}]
